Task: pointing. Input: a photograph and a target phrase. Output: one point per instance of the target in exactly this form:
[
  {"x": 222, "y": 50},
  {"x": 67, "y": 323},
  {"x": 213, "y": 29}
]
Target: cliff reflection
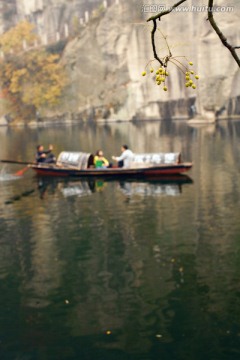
[{"x": 126, "y": 269}]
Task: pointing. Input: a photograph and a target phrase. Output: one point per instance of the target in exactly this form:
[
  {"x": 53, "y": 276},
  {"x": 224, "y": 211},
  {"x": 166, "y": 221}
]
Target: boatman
[
  {"x": 125, "y": 159},
  {"x": 43, "y": 156}
]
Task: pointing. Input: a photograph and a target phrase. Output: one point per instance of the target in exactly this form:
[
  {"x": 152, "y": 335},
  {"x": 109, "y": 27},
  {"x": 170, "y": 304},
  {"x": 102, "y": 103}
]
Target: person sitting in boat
[
  {"x": 125, "y": 159},
  {"x": 100, "y": 161},
  {"x": 45, "y": 156}
]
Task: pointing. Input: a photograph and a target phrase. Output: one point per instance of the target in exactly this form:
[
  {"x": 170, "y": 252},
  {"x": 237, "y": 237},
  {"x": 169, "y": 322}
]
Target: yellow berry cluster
[
  {"x": 188, "y": 75},
  {"x": 160, "y": 77},
  {"x": 162, "y": 74}
]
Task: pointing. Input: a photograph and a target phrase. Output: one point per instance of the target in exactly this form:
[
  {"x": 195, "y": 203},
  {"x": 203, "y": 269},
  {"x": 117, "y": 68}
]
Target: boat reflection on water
[
  {"x": 156, "y": 186},
  {"x": 149, "y": 189},
  {"x": 164, "y": 185},
  {"x": 80, "y": 189}
]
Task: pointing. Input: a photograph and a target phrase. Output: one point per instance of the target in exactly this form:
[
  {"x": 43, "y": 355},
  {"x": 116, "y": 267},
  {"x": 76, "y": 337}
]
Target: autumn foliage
[{"x": 31, "y": 78}]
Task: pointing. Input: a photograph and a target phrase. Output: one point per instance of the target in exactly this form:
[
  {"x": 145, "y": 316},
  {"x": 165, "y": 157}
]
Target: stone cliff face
[
  {"x": 104, "y": 60},
  {"x": 49, "y": 16}
]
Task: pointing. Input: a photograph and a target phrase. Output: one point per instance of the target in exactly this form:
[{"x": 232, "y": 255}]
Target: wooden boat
[{"x": 80, "y": 164}]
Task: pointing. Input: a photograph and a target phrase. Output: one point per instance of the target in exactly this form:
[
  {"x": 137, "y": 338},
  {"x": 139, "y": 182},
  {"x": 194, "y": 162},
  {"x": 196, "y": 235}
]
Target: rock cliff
[
  {"x": 105, "y": 57},
  {"x": 106, "y": 60}
]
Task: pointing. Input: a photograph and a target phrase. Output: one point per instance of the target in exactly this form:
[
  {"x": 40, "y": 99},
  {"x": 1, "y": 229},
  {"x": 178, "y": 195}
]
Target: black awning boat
[{"x": 80, "y": 164}]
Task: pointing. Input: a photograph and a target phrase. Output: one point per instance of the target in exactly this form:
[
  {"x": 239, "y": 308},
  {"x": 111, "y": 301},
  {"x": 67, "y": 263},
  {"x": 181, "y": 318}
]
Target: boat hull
[{"x": 52, "y": 170}]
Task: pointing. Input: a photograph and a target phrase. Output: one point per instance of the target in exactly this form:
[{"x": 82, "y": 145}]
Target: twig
[
  {"x": 154, "y": 20},
  {"x": 220, "y": 34},
  {"x": 165, "y": 12},
  {"x": 153, "y": 41}
]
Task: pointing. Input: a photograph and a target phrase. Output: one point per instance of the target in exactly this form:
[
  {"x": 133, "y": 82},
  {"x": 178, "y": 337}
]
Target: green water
[{"x": 122, "y": 270}]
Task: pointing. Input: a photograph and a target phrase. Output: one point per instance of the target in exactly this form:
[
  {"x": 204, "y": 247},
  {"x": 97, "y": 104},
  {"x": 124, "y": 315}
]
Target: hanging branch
[
  {"x": 220, "y": 34},
  {"x": 211, "y": 19},
  {"x": 153, "y": 32}
]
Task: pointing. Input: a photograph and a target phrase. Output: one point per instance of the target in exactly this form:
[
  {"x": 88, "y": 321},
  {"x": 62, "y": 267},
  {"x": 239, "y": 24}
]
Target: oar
[
  {"x": 18, "y": 162},
  {"x": 22, "y": 171}
]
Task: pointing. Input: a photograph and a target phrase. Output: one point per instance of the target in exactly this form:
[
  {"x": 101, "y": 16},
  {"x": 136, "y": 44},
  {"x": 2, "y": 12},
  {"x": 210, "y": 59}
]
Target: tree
[
  {"x": 212, "y": 21},
  {"x": 29, "y": 78}
]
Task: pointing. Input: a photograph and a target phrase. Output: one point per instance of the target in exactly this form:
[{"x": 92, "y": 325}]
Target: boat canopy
[
  {"x": 154, "y": 159},
  {"x": 83, "y": 161},
  {"x": 75, "y": 160}
]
